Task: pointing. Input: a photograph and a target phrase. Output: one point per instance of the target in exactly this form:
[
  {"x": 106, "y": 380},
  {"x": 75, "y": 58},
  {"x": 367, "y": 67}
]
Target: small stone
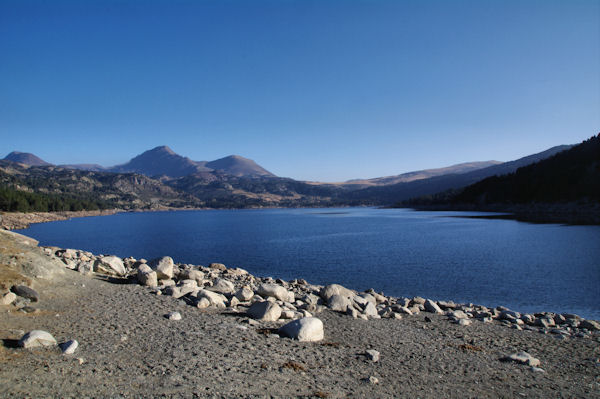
[
  {"x": 463, "y": 322},
  {"x": 173, "y": 316},
  {"x": 372, "y": 380},
  {"x": 80, "y": 360},
  {"x": 69, "y": 347},
  {"x": 306, "y": 329},
  {"x": 523, "y": 358},
  {"x": 25, "y": 292},
  {"x": 37, "y": 338},
  {"x": 372, "y": 355},
  {"x": 537, "y": 369}
]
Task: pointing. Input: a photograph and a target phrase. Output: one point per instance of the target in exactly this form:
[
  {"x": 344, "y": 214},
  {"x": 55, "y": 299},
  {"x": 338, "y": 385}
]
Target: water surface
[{"x": 527, "y": 267}]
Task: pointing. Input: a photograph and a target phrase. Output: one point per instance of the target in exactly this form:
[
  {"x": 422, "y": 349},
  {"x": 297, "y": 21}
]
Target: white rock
[
  {"x": 264, "y": 311},
  {"x": 523, "y": 358},
  {"x": 338, "y": 303},
  {"x": 112, "y": 265},
  {"x": 146, "y": 276},
  {"x": 463, "y": 322},
  {"x": 432, "y": 307},
  {"x": 203, "y": 303},
  {"x": 335, "y": 289},
  {"x": 273, "y": 290},
  {"x": 244, "y": 294},
  {"x": 222, "y": 286},
  {"x": 163, "y": 267},
  {"x": 307, "y": 329},
  {"x": 37, "y": 338},
  {"x": 214, "y": 298},
  {"x": 288, "y": 314},
  {"x": 173, "y": 316},
  {"x": 370, "y": 310},
  {"x": 372, "y": 355},
  {"x": 8, "y": 298},
  {"x": 69, "y": 347}
]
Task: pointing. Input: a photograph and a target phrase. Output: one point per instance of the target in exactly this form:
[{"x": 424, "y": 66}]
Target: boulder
[
  {"x": 338, "y": 303},
  {"x": 307, "y": 329},
  {"x": 222, "y": 286},
  {"x": 37, "y": 338},
  {"x": 146, "y": 276},
  {"x": 264, "y": 311},
  {"x": 273, "y": 290},
  {"x": 244, "y": 294},
  {"x": 589, "y": 325},
  {"x": 370, "y": 310},
  {"x": 432, "y": 307},
  {"x": 8, "y": 298},
  {"x": 69, "y": 347},
  {"x": 193, "y": 275},
  {"x": 25, "y": 292},
  {"x": 214, "y": 298},
  {"x": 335, "y": 289},
  {"x": 112, "y": 265},
  {"x": 218, "y": 266},
  {"x": 164, "y": 267}
]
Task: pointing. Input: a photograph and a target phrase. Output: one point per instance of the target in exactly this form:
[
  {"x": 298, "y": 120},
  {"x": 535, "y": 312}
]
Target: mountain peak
[
  {"x": 163, "y": 148},
  {"x": 26, "y": 158}
]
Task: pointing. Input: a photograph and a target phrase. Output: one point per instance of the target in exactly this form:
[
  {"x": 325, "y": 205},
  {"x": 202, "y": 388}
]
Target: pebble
[
  {"x": 173, "y": 316},
  {"x": 69, "y": 347},
  {"x": 372, "y": 355}
]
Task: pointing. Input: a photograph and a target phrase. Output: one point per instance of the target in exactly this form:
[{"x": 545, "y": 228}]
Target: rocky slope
[{"x": 159, "y": 328}]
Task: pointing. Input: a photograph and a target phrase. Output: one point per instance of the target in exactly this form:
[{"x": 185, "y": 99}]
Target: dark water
[{"x": 526, "y": 267}]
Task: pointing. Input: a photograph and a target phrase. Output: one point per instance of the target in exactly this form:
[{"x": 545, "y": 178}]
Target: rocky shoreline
[
  {"x": 383, "y": 330},
  {"x": 19, "y": 220}
]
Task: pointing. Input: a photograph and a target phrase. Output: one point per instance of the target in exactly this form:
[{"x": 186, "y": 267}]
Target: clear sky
[{"x": 314, "y": 90}]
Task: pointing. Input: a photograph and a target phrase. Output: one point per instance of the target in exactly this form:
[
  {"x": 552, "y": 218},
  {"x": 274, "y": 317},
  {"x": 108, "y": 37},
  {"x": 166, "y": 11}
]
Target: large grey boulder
[
  {"x": 146, "y": 276},
  {"x": 335, "y": 289},
  {"x": 432, "y": 307},
  {"x": 25, "y": 292},
  {"x": 222, "y": 286},
  {"x": 112, "y": 265},
  {"x": 37, "y": 338},
  {"x": 163, "y": 267},
  {"x": 214, "y": 298},
  {"x": 244, "y": 294},
  {"x": 273, "y": 290},
  {"x": 308, "y": 329},
  {"x": 338, "y": 303},
  {"x": 264, "y": 311}
]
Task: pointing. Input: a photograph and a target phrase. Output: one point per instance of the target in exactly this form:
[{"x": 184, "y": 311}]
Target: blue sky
[{"x": 314, "y": 90}]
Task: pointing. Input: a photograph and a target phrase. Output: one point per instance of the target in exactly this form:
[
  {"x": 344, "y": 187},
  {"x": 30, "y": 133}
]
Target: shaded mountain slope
[
  {"x": 160, "y": 161},
  {"x": 386, "y": 195},
  {"x": 26, "y": 158}
]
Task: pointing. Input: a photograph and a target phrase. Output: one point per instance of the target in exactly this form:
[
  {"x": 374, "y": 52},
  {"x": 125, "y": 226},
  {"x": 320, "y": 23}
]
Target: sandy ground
[{"x": 129, "y": 349}]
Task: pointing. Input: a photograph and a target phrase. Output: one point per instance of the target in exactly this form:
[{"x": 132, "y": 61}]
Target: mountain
[
  {"x": 391, "y": 194},
  {"x": 26, "y": 158},
  {"x": 236, "y": 165},
  {"x": 570, "y": 176},
  {"x": 422, "y": 174},
  {"x": 160, "y": 161},
  {"x": 93, "y": 167}
]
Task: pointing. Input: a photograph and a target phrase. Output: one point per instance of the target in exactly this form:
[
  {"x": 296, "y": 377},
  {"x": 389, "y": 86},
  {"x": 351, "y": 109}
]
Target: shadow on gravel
[
  {"x": 116, "y": 280},
  {"x": 10, "y": 343}
]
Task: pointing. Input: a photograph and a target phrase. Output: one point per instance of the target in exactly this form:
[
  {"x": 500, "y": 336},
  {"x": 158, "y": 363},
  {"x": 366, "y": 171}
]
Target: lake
[{"x": 438, "y": 255}]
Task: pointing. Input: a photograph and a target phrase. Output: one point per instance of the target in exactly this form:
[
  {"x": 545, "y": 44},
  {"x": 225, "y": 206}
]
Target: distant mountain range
[{"x": 160, "y": 178}]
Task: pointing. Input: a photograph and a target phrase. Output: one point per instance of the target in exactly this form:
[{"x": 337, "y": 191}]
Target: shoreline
[
  {"x": 152, "y": 328},
  {"x": 569, "y": 214}
]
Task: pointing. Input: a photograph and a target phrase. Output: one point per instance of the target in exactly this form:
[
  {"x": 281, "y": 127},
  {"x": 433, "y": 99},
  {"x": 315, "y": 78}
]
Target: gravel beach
[{"x": 129, "y": 348}]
